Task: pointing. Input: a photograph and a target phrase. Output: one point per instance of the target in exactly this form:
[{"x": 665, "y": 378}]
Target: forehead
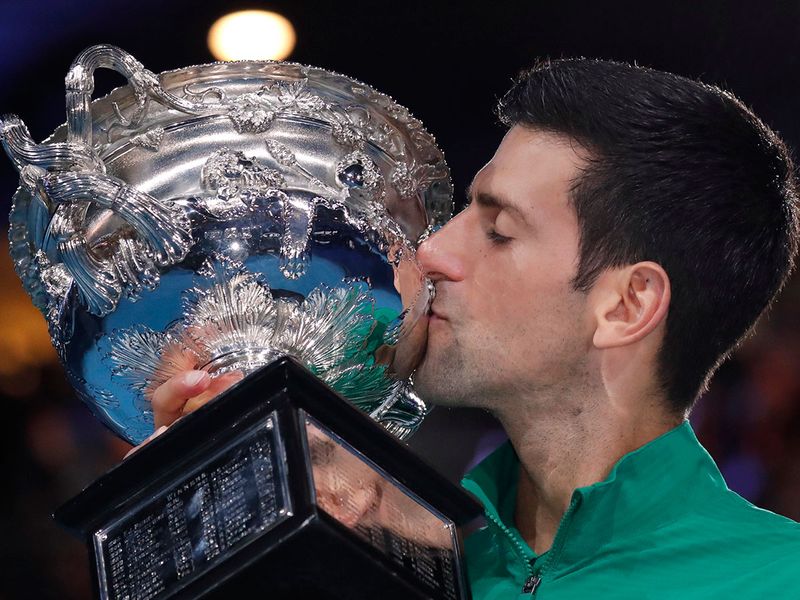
[{"x": 531, "y": 169}]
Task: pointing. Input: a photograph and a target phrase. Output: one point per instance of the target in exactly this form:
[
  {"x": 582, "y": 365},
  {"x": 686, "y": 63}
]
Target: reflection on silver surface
[
  {"x": 209, "y": 217},
  {"x": 381, "y": 512}
]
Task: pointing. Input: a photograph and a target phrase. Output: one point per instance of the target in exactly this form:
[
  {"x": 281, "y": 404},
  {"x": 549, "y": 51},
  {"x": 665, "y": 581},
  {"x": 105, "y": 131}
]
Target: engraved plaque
[
  {"x": 171, "y": 539},
  {"x": 382, "y": 512}
]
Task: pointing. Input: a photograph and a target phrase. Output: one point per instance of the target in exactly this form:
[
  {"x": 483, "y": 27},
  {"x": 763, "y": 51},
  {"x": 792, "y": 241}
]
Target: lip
[{"x": 436, "y": 316}]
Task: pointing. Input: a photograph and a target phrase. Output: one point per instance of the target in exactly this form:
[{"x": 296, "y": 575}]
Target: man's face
[{"x": 506, "y": 319}]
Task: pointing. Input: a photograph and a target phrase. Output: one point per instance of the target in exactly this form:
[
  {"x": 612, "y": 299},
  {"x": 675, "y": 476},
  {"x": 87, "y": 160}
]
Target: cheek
[
  {"x": 522, "y": 297},
  {"x": 518, "y": 275}
]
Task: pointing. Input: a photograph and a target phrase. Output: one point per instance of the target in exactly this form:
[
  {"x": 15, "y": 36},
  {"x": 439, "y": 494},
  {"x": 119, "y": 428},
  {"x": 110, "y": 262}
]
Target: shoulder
[
  {"x": 734, "y": 535},
  {"x": 725, "y": 547},
  {"x": 732, "y": 506},
  {"x": 763, "y": 531}
]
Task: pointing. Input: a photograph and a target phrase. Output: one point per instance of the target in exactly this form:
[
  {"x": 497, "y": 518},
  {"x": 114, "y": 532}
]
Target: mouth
[{"x": 434, "y": 315}]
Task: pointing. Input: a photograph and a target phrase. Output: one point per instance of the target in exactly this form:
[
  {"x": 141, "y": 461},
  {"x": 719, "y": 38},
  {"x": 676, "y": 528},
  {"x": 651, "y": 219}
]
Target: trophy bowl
[{"x": 222, "y": 216}]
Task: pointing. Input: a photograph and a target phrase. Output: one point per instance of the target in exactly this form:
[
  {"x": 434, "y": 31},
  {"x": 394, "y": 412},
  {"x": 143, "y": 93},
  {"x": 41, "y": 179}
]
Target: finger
[
  {"x": 170, "y": 397},
  {"x": 216, "y": 387},
  {"x": 152, "y": 436}
]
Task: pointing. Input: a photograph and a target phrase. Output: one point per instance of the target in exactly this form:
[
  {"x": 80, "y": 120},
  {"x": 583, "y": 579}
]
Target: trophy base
[{"x": 278, "y": 486}]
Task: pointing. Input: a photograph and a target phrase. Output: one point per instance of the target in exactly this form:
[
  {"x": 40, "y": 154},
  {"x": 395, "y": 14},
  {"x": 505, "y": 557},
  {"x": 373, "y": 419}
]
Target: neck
[{"x": 573, "y": 446}]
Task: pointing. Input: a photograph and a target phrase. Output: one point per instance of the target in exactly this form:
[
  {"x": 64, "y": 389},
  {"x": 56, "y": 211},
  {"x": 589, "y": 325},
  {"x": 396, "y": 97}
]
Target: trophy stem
[{"x": 244, "y": 360}]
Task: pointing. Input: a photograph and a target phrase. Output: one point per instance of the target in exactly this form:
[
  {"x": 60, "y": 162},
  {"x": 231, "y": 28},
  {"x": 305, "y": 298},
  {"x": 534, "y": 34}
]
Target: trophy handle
[
  {"x": 146, "y": 85},
  {"x": 51, "y": 242}
]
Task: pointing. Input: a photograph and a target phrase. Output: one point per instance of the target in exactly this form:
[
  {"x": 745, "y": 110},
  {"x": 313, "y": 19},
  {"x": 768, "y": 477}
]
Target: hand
[
  {"x": 182, "y": 394},
  {"x": 186, "y": 392}
]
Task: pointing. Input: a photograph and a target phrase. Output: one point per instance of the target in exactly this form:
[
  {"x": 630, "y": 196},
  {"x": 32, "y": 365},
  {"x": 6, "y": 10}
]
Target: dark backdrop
[{"x": 448, "y": 65}]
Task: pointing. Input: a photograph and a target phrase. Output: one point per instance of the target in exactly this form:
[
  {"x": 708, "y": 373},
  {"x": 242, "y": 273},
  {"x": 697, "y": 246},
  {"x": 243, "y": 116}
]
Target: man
[{"x": 628, "y": 233}]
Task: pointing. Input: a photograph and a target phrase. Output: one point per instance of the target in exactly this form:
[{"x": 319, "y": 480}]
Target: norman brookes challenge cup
[{"x": 260, "y": 218}]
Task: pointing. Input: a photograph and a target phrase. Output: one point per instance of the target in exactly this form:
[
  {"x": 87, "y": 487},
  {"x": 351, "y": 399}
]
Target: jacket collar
[{"x": 646, "y": 489}]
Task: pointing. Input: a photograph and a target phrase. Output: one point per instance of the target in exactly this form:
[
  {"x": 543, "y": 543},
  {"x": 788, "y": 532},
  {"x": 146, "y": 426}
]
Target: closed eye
[{"x": 497, "y": 238}]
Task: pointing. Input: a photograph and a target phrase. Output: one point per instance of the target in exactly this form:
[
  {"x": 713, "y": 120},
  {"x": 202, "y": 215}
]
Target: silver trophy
[
  {"x": 224, "y": 217},
  {"x": 220, "y": 216}
]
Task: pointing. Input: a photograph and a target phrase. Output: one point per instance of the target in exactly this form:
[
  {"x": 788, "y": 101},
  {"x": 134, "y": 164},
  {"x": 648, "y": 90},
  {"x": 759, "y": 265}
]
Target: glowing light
[{"x": 251, "y": 35}]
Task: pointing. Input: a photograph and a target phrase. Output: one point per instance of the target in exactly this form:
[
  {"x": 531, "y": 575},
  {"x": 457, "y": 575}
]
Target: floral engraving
[
  {"x": 235, "y": 324},
  {"x": 254, "y": 112},
  {"x": 235, "y": 182},
  {"x": 250, "y": 113},
  {"x": 150, "y": 139}
]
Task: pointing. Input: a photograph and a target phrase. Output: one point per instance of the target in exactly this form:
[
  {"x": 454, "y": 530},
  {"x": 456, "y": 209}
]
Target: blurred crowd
[{"x": 52, "y": 447}]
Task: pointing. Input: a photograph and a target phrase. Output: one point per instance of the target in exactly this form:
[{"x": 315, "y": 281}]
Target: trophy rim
[{"x": 437, "y": 213}]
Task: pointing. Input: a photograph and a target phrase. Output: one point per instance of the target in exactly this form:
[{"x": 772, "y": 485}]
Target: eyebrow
[{"x": 491, "y": 201}]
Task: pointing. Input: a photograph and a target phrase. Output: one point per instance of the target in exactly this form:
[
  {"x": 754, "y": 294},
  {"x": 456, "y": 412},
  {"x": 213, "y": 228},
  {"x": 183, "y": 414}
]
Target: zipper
[
  {"x": 535, "y": 579},
  {"x": 520, "y": 549},
  {"x": 532, "y": 582},
  {"x": 561, "y": 532}
]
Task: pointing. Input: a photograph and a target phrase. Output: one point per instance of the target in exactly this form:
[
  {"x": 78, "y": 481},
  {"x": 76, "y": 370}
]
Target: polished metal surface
[{"x": 221, "y": 215}]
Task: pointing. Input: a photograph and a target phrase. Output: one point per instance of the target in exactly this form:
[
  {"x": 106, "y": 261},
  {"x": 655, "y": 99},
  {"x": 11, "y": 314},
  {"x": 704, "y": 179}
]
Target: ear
[{"x": 630, "y": 302}]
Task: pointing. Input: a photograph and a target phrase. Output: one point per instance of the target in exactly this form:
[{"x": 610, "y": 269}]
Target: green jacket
[{"x": 662, "y": 525}]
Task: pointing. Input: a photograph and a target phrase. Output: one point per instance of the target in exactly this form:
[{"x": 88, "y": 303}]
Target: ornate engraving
[
  {"x": 298, "y": 215},
  {"x": 293, "y": 96},
  {"x": 56, "y": 281},
  {"x": 135, "y": 267},
  {"x": 250, "y": 113},
  {"x": 281, "y": 153},
  {"x": 145, "y": 84},
  {"x": 159, "y": 233},
  {"x": 97, "y": 281},
  {"x": 254, "y": 112},
  {"x": 236, "y": 181},
  {"x": 55, "y": 278},
  {"x": 235, "y": 324},
  {"x": 199, "y": 94},
  {"x": 357, "y": 171},
  {"x": 410, "y": 178},
  {"x": 59, "y": 156},
  {"x": 150, "y": 139}
]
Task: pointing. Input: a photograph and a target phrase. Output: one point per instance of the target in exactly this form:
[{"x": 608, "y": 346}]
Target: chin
[
  {"x": 442, "y": 388},
  {"x": 430, "y": 385},
  {"x": 444, "y": 378}
]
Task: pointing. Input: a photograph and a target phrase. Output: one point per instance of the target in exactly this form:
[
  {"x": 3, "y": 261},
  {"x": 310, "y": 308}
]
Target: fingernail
[
  {"x": 157, "y": 433},
  {"x": 194, "y": 377}
]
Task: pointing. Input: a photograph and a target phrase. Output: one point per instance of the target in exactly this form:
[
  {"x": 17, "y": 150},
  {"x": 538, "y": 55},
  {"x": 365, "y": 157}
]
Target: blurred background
[{"x": 448, "y": 65}]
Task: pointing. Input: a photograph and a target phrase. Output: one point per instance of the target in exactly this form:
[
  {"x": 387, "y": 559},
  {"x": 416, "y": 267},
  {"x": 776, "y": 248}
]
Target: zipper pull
[
  {"x": 531, "y": 583},
  {"x": 533, "y": 580}
]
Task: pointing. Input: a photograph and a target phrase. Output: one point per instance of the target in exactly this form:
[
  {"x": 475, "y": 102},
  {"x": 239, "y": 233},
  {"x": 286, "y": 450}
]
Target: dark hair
[{"x": 680, "y": 173}]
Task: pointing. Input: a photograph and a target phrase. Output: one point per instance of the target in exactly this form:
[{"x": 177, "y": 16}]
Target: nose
[{"x": 441, "y": 256}]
